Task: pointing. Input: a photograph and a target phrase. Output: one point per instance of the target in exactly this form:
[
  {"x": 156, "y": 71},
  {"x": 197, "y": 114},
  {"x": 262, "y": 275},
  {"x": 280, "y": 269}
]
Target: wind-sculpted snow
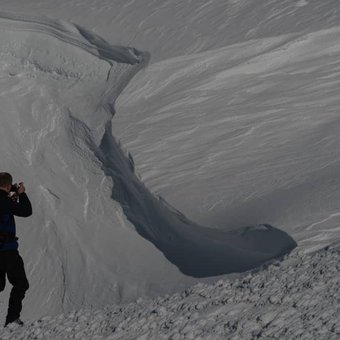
[
  {"x": 250, "y": 130},
  {"x": 58, "y": 87},
  {"x": 172, "y": 29},
  {"x": 68, "y": 33},
  {"x": 195, "y": 250}
]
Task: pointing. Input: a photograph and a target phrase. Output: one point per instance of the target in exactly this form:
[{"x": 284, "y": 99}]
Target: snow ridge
[
  {"x": 57, "y": 90},
  {"x": 61, "y": 84},
  {"x": 71, "y": 34}
]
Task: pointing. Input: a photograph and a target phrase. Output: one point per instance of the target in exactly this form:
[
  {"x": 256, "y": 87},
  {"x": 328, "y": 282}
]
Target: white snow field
[{"x": 230, "y": 115}]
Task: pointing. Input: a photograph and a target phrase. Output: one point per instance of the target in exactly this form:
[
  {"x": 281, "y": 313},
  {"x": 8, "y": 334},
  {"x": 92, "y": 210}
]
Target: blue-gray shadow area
[{"x": 197, "y": 251}]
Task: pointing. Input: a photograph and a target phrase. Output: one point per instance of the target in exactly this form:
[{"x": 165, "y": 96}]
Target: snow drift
[
  {"x": 58, "y": 87},
  {"x": 251, "y": 121}
]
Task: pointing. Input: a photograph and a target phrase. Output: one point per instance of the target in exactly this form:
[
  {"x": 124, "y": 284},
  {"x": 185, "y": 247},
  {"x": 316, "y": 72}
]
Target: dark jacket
[{"x": 8, "y": 209}]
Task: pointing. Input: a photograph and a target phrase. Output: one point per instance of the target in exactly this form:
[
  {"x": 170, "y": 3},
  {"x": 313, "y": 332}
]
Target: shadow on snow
[{"x": 197, "y": 251}]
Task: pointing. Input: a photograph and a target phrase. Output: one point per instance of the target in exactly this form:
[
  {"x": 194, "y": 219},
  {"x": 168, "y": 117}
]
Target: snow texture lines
[{"x": 78, "y": 149}]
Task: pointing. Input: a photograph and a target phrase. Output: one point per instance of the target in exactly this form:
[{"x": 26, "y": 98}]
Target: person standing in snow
[{"x": 13, "y": 202}]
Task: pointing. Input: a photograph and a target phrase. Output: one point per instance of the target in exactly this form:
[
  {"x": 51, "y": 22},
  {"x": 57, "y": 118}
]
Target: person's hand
[{"x": 21, "y": 188}]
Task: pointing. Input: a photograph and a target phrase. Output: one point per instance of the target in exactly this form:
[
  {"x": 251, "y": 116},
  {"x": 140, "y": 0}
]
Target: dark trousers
[{"x": 12, "y": 264}]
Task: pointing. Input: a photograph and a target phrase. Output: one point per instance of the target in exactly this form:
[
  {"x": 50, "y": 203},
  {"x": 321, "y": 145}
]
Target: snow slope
[
  {"x": 54, "y": 83},
  {"x": 249, "y": 129},
  {"x": 220, "y": 117},
  {"x": 60, "y": 83},
  {"x": 234, "y": 122},
  {"x": 170, "y": 29},
  {"x": 294, "y": 299}
]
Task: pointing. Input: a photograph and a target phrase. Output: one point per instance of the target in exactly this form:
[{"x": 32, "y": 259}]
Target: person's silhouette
[{"x": 13, "y": 202}]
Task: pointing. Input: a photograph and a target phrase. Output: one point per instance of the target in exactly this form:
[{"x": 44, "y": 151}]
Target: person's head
[{"x": 5, "y": 181}]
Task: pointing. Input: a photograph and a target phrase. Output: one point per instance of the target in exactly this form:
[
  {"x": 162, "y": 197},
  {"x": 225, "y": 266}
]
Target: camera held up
[{"x": 15, "y": 187}]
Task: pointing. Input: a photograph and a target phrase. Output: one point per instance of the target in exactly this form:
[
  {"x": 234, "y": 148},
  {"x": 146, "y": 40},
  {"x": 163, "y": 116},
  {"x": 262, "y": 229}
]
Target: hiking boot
[{"x": 18, "y": 321}]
